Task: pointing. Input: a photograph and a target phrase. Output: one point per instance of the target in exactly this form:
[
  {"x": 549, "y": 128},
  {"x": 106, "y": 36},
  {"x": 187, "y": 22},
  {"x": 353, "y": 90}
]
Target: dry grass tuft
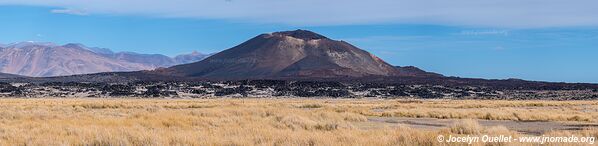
[{"x": 468, "y": 126}]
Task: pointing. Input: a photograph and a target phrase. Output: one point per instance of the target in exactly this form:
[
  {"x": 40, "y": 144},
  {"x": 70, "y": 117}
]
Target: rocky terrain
[
  {"x": 279, "y": 88},
  {"x": 38, "y": 59}
]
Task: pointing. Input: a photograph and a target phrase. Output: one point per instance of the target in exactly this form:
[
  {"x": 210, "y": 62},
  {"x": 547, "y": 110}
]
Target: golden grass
[
  {"x": 260, "y": 121},
  {"x": 528, "y": 110}
]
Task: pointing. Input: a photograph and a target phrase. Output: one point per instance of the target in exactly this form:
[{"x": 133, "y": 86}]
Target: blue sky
[{"x": 464, "y": 38}]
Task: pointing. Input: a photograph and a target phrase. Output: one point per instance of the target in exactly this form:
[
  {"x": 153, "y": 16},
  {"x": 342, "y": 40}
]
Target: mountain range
[{"x": 42, "y": 59}]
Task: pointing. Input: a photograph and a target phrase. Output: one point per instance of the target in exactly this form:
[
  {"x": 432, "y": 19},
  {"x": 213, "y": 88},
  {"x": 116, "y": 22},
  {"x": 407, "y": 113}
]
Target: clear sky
[{"x": 545, "y": 40}]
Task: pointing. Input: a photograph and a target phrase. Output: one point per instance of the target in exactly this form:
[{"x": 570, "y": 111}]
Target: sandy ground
[{"x": 527, "y": 127}]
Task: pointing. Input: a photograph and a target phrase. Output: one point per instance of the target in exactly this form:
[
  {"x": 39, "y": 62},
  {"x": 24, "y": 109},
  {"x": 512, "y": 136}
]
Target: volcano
[{"x": 291, "y": 54}]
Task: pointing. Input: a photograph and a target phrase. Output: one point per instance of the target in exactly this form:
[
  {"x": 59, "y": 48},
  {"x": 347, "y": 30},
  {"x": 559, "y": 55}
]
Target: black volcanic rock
[{"x": 288, "y": 54}]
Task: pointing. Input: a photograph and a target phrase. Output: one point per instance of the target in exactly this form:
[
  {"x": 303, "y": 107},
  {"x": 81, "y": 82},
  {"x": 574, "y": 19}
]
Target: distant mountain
[
  {"x": 154, "y": 60},
  {"x": 291, "y": 54},
  {"x": 190, "y": 58},
  {"x": 4, "y": 76},
  {"x": 30, "y": 43},
  {"x": 40, "y": 59},
  {"x": 414, "y": 71}
]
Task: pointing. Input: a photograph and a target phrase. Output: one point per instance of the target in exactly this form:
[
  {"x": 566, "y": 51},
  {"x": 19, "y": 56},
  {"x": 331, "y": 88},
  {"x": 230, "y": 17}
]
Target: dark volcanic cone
[{"x": 288, "y": 54}]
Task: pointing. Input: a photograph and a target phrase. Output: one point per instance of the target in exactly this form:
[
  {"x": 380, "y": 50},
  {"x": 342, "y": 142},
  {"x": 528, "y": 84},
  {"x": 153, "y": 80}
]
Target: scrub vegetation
[{"x": 85, "y": 121}]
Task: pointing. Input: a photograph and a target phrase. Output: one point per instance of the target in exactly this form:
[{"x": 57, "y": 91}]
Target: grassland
[{"x": 266, "y": 121}]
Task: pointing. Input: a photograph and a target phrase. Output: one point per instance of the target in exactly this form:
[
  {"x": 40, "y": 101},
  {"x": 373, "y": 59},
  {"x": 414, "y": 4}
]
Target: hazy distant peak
[
  {"x": 101, "y": 50},
  {"x": 196, "y": 53},
  {"x": 193, "y": 53},
  {"x": 30, "y": 43},
  {"x": 131, "y": 53},
  {"x": 5, "y": 75},
  {"x": 301, "y": 34},
  {"x": 190, "y": 58},
  {"x": 74, "y": 45},
  {"x": 98, "y": 50}
]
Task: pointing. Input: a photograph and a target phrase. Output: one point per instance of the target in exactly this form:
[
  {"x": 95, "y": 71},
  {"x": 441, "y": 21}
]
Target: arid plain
[{"x": 280, "y": 121}]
